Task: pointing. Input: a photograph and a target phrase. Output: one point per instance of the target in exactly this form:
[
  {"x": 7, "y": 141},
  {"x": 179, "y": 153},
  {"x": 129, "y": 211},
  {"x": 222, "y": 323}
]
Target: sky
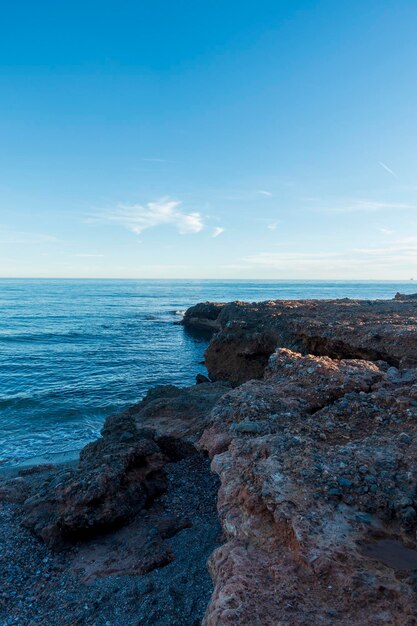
[{"x": 195, "y": 139}]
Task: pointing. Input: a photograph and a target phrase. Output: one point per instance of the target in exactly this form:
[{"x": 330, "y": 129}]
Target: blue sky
[{"x": 221, "y": 139}]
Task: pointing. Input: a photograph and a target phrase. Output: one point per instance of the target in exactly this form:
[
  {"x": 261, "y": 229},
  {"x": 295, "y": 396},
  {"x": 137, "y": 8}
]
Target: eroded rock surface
[
  {"x": 150, "y": 572},
  {"x": 122, "y": 473},
  {"x": 203, "y": 317},
  {"x": 318, "y": 465},
  {"x": 177, "y": 416},
  {"x": 246, "y": 334},
  {"x": 314, "y": 439},
  {"x": 113, "y": 481},
  {"x": 135, "y": 522}
]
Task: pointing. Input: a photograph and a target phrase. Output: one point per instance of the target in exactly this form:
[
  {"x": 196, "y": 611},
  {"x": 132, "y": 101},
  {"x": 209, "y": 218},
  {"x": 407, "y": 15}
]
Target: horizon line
[{"x": 356, "y": 280}]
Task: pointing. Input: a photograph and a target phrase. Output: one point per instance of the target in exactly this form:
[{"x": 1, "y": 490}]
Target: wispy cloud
[
  {"x": 353, "y": 206},
  {"x": 400, "y": 254},
  {"x": 217, "y": 231},
  {"x": 24, "y": 237},
  {"x": 88, "y": 255},
  {"x": 138, "y": 218},
  {"x": 149, "y": 160},
  {"x": 263, "y": 192},
  {"x": 387, "y": 169},
  {"x": 272, "y": 226},
  {"x": 284, "y": 260},
  {"x": 401, "y": 251}
]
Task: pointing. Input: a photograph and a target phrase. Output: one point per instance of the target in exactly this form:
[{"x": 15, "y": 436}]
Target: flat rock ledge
[
  {"x": 310, "y": 426},
  {"x": 246, "y": 334}
]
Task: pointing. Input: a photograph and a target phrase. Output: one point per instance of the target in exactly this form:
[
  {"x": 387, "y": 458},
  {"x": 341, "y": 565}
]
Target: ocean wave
[
  {"x": 45, "y": 337},
  {"x": 13, "y": 401}
]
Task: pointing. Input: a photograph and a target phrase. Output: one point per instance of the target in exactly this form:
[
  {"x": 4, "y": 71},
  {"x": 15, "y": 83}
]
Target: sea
[{"x": 73, "y": 352}]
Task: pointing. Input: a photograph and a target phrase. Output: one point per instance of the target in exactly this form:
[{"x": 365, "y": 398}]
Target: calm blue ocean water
[{"x": 74, "y": 351}]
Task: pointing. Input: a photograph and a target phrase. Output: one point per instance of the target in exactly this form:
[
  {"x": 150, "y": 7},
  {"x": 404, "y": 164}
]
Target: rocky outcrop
[
  {"x": 121, "y": 474},
  {"x": 405, "y": 296},
  {"x": 313, "y": 436},
  {"x": 318, "y": 469},
  {"x": 138, "y": 514},
  {"x": 115, "y": 479},
  {"x": 202, "y": 318},
  {"x": 151, "y": 571},
  {"x": 247, "y": 333},
  {"x": 177, "y": 415}
]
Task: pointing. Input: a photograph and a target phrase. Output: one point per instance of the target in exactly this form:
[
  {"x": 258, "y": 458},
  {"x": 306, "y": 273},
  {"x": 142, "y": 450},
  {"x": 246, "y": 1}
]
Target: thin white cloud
[
  {"x": 386, "y": 231},
  {"x": 272, "y": 226},
  {"x": 263, "y": 192},
  {"x": 401, "y": 252},
  {"x": 138, "y": 218},
  {"x": 217, "y": 231},
  {"x": 387, "y": 169},
  {"x": 25, "y": 237},
  {"x": 285, "y": 260},
  {"x": 371, "y": 206},
  {"x": 88, "y": 255},
  {"x": 155, "y": 160},
  {"x": 400, "y": 255}
]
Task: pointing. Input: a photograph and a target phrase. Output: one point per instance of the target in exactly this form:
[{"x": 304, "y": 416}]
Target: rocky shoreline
[{"x": 309, "y": 512}]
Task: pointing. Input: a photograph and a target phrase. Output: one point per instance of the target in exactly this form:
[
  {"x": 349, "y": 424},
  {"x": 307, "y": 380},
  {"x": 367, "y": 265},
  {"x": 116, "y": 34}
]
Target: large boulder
[
  {"x": 115, "y": 479},
  {"x": 202, "y": 318},
  {"x": 318, "y": 469}
]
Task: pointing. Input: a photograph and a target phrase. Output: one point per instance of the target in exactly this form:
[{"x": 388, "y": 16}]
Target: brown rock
[
  {"x": 306, "y": 501},
  {"x": 115, "y": 479},
  {"x": 202, "y": 318},
  {"x": 316, "y": 451},
  {"x": 247, "y": 333},
  {"x": 404, "y": 296},
  {"x": 121, "y": 473},
  {"x": 173, "y": 412}
]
